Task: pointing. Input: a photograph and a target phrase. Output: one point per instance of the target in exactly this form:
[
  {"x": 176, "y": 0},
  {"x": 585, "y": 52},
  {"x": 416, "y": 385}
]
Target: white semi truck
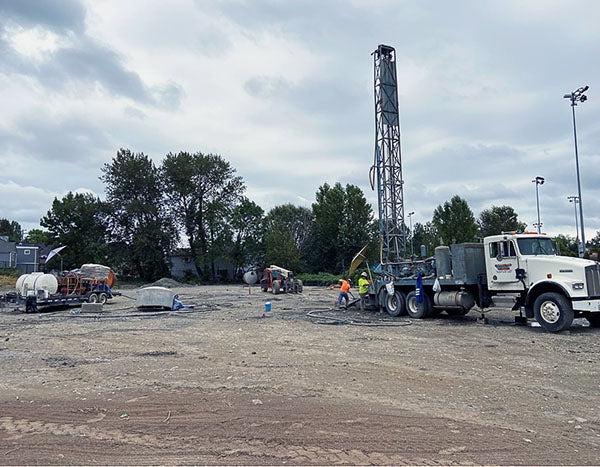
[{"x": 551, "y": 288}]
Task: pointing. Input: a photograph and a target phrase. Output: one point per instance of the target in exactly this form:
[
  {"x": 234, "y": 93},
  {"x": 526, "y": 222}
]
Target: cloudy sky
[{"x": 283, "y": 90}]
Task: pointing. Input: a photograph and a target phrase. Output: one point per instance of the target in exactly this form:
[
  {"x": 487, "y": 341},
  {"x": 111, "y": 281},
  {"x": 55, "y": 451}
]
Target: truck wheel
[
  {"x": 553, "y": 311},
  {"x": 102, "y": 298},
  {"x": 593, "y": 319},
  {"x": 276, "y": 287},
  {"x": 93, "y": 298},
  {"x": 415, "y": 310},
  {"x": 395, "y": 305},
  {"x": 300, "y": 286}
]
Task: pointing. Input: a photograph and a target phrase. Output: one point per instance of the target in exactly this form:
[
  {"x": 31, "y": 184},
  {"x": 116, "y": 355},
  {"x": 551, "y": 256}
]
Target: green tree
[
  {"x": 247, "y": 223},
  {"x": 425, "y": 234},
  {"x": 593, "y": 245},
  {"x": 343, "y": 225},
  {"x": 567, "y": 245},
  {"x": 12, "y": 230},
  {"x": 77, "y": 222},
  {"x": 454, "y": 221},
  {"x": 141, "y": 233},
  {"x": 288, "y": 230},
  {"x": 498, "y": 219},
  {"x": 280, "y": 248},
  {"x": 38, "y": 236},
  {"x": 202, "y": 191},
  {"x": 356, "y": 229}
]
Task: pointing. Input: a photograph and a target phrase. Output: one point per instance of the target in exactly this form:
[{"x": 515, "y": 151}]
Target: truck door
[{"x": 502, "y": 264}]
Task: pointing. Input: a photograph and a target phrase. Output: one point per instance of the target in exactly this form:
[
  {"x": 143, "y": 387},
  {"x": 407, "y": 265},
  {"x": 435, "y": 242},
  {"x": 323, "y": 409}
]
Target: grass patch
[
  {"x": 7, "y": 280},
  {"x": 321, "y": 278}
]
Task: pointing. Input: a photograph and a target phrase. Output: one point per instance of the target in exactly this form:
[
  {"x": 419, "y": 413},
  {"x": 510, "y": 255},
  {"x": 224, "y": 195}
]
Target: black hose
[{"x": 335, "y": 320}]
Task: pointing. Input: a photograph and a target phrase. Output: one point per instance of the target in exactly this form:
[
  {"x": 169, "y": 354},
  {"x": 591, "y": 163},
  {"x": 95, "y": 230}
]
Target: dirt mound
[{"x": 166, "y": 282}]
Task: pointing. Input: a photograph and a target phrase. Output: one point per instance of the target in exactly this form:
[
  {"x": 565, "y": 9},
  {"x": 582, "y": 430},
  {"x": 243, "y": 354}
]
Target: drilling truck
[{"x": 551, "y": 288}]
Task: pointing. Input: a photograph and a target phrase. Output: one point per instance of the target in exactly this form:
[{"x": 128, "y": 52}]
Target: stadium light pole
[
  {"x": 578, "y": 96},
  {"x": 538, "y": 181},
  {"x": 575, "y": 201},
  {"x": 412, "y": 237}
]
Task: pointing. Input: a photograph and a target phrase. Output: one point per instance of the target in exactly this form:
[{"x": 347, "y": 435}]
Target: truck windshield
[{"x": 536, "y": 246}]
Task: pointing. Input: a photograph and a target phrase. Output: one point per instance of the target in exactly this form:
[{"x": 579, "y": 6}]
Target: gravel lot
[{"x": 220, "y": 385}]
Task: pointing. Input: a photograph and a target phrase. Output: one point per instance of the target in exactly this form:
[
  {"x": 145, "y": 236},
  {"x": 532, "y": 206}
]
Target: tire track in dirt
[{"x": 220, "y": 447}]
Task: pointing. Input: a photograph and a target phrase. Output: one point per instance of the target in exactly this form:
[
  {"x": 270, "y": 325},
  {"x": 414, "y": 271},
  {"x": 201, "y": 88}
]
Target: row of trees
[
  {"x": 454, "y": 222},
  {"x": 198, "y": 201}
]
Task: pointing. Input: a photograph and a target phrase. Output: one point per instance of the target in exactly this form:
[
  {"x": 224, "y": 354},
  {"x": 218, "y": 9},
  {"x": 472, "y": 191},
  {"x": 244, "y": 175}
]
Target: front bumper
[{"x": 587, "y": 305}]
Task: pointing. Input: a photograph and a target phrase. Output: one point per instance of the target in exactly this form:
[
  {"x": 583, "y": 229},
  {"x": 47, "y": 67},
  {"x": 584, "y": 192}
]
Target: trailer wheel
[
  {"x": 593, "y": 319},
  {"x": 93, "y": 298},
  {"x": 395, "y": 305},
  {"x": 276, "y": 287},
  {"x": 415, "y": 310},
  {"x": 102, "y": 298},
  {"x": 553, "y": 311}
]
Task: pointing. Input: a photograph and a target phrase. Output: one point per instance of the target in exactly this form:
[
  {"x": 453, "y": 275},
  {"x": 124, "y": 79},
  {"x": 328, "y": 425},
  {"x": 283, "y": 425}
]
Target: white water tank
[
  {"x": 155, "y": 297},
  {"x": 251, "y": 277},
  {"x": 31, "y": 283}
]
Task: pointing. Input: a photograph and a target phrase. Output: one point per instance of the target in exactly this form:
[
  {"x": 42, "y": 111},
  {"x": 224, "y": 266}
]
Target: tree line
[{"x": 198, "y": 201}]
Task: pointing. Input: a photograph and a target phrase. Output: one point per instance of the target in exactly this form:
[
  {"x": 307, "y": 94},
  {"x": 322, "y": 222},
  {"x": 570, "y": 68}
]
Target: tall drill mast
[{"x": 388, "y": 164}]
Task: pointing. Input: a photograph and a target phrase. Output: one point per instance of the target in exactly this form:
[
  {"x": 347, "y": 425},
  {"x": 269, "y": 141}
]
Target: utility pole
[
  {"x": 538, "y": 181},
  {"x": 574, "y": 97}
]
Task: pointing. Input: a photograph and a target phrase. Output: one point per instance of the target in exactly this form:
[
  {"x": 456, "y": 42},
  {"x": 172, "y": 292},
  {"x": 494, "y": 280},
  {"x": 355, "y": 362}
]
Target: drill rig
[{"x": 386, "y": 171}]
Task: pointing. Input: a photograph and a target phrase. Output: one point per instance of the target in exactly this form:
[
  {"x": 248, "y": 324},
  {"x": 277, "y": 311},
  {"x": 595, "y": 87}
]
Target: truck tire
[
  {"x": 553, "y": 311},
  {"x": 300, "y": 286},
  {"x": 93, "y": 298},
  {"x": 593, "y": 319},
  {"x": 102, "y": 298},
  {"x": 395, "y": 305},
  {"x": 276, "y": 287},
  {"x": 416, "y": 311}
]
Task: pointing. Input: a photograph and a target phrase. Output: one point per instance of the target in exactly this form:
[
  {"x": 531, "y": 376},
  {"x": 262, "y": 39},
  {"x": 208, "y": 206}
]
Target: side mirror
[
  {"x": 520, "y": 273},
  {"x": 499, "y": 257}
]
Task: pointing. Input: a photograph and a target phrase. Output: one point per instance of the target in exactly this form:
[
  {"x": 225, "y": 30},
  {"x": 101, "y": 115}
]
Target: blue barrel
[{"x": 267, "y": 307}]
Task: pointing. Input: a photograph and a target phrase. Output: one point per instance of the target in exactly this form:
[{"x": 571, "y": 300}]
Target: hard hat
[
  {"x": 363, "y": 274},
  {"x": 340, "y": 280}
]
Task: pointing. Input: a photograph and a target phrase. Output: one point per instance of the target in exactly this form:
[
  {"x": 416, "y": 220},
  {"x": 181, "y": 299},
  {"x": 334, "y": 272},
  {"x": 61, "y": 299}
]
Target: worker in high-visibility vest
[
  {"x": 363, "y": 289},
  {"x": 344, "y": 290}
]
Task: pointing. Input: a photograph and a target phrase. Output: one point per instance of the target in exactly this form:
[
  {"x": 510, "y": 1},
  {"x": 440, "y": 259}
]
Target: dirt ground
[{"x": 220, "y": 385}]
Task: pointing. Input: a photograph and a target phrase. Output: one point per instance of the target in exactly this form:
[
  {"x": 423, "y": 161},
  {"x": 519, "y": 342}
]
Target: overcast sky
[{"x": 283, "y": 90}]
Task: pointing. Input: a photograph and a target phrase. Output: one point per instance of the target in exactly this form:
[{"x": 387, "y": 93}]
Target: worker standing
[
  {"x": 363, "y": 289},
  {"x": 344, "y": 290}
]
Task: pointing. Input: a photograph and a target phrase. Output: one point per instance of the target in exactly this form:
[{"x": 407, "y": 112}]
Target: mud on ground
[{"x": 220, "y": 385}]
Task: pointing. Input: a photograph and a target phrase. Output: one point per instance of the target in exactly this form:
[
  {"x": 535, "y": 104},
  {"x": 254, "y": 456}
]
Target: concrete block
[{"x": 91, "y": 308}]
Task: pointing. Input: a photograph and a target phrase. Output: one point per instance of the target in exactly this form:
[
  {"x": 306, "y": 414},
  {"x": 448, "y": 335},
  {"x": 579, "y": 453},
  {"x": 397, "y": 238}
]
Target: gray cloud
[
  {"x": 81, "y": 65},
  {"x": 72, "y": 140},
  {"x": 57, "y": 15}
]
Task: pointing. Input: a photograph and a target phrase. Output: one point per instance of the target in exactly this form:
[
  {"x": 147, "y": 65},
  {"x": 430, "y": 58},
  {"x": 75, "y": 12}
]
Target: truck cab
[{"x": 553, "y": 289}]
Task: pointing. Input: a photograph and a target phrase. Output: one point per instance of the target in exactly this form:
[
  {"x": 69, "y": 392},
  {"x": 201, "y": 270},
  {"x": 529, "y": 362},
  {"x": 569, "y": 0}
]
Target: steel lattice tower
[{"x": 388, "y": 163}]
